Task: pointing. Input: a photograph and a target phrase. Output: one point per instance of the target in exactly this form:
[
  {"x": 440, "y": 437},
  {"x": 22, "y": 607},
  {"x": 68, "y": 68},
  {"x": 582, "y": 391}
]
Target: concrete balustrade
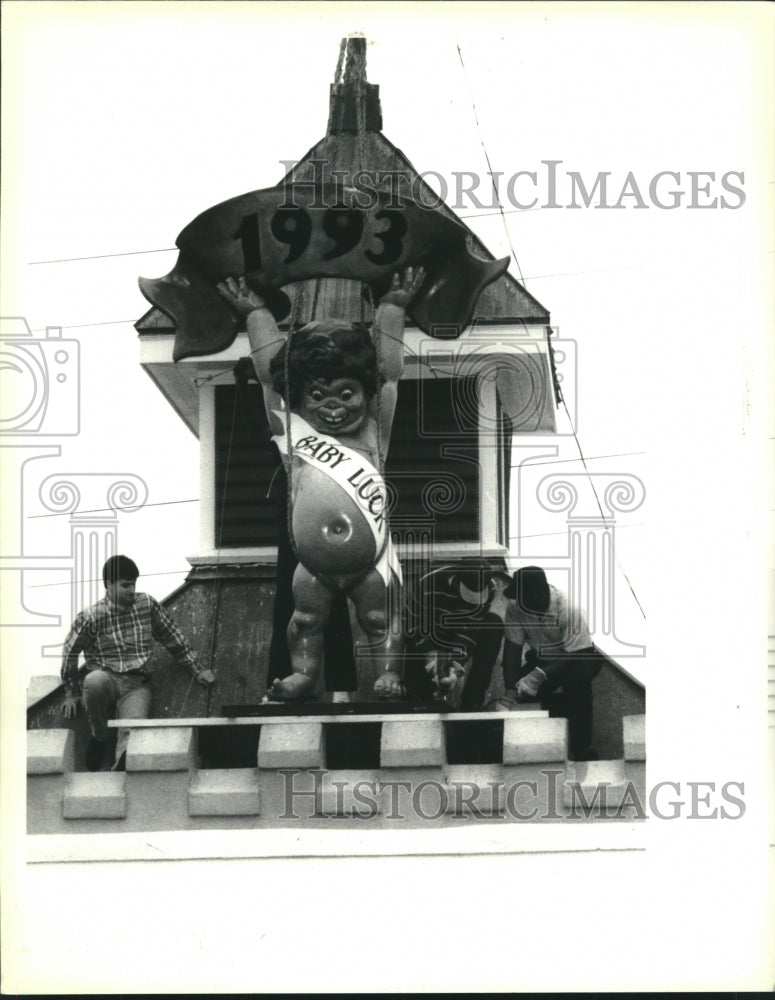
[
  {"x": 350, "y": 794},
  {"x": 101, "y": 795},
  {"x": 291, "y": 744},
  {"x": 412, "y": 753},
  {"x": 535, "y": 741},
  {"x": 634, "y": 730},
  {"x": 50, "y": 756},
  {"x": 634, "y": 727},
  {"x": 535, "y": 752},
  {"x": 224, "y": 792},
  {"x": 160, "y": 762},
  {"x": 161, "y": 749},
  {"x": 415, "y": 786},
  {"x": 50, "y": 751},
  {"x": 412, "y": 744},
  {"x": 475, "y": 790},
  {"x": 595, "y": 785}
]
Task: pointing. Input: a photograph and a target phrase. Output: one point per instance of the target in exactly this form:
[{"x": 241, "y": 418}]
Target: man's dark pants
[
  {"x": 487, "y": 638},
  {"x": 573, "y": 672}
]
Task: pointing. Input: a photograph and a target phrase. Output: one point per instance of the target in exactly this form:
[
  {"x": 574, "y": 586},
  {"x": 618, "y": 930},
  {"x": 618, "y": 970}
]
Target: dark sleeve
[{"x": 432, "y": 604}]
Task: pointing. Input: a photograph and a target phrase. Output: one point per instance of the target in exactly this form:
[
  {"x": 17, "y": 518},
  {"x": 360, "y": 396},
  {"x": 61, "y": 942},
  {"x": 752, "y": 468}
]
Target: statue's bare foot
[
  {"x": 388, "y": 685},
  {"x": 295, "y": 687}
]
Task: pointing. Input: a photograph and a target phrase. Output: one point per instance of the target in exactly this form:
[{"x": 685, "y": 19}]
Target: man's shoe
[
  {"x": 95, "y": 754},
  {"x": 120, "y": 764}
]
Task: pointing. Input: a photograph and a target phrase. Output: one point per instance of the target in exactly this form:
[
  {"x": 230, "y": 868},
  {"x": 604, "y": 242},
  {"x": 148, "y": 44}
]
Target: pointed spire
[{"x": 354, "y": 104}]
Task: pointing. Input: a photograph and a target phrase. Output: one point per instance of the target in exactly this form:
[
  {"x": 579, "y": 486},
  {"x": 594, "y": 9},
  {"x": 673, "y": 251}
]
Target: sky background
[{"x": 122, "y": 122}]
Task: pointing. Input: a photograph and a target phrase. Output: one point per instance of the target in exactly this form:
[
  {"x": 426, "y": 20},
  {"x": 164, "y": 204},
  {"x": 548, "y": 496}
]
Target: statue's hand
[
  {"x": 240, "y": 295},
  {"x": 404, "y": 287},
  {"x": 388, "y": 685}
]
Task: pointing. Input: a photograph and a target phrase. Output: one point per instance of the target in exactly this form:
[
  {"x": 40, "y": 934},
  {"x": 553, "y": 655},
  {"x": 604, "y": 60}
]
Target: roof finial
[{"x": 350, "y": 90}]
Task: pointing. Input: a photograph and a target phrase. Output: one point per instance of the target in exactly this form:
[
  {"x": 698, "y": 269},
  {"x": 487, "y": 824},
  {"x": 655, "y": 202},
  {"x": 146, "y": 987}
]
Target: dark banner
[{"x": 286, "y": 234}]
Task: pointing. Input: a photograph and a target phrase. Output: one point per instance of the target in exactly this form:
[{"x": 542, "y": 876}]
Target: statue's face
[{"x": 335, "y": 407}]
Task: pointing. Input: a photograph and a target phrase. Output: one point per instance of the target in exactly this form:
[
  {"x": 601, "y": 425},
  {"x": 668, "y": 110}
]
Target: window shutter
[{"x": 432, "y": 466}]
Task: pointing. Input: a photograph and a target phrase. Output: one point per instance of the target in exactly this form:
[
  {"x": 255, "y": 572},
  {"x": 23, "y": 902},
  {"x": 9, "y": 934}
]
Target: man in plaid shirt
[{"x": 116, "y": 637}]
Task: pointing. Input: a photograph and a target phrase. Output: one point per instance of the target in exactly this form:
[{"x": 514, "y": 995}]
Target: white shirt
[{"x": 562, "y": 629}]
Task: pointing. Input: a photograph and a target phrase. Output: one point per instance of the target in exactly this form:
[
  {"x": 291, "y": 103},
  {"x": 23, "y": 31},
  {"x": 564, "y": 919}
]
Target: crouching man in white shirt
[{"x": 560, "y": 653}]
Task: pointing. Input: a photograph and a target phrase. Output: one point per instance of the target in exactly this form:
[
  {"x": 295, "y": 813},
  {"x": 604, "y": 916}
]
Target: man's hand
[
  {"x": 433, "y": 669},
  {"x": 204, "y": 677},
  {"x": 388, "y": 685},
  {"x": 70, "y": 707},
  {"x": 240, "y": 296},
  {"x": 404, "y": 287},
  {"x": 452, "y": 684},
  {"x": 530, "y": 683},
  {"x": 448, "y": 678}
]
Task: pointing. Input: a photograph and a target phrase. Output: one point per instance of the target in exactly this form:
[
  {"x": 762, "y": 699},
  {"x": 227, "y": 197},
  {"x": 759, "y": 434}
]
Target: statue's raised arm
[
  {"x": 388, "y": 336},
  {"x": 264, "y": 336}
]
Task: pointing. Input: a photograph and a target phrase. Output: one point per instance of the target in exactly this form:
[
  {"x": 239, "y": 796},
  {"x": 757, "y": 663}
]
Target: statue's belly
[{"x": 329, "y": 529}]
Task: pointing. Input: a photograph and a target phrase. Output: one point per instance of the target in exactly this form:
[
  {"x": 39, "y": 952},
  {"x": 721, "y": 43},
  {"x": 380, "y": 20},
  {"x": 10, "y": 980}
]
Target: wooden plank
[{"x": 270, "y": 720}]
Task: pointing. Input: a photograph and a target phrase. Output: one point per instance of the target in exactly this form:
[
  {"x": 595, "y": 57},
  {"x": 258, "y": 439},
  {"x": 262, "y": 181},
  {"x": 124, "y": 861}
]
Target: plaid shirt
[{"x": 121, "y": 640}]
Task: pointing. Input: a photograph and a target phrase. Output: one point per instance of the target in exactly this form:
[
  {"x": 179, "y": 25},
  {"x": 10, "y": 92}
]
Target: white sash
[{"x": 354, "y": 474}]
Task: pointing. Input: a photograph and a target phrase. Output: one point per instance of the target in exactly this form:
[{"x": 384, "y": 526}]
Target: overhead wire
[
  {"x": 202, "y": 380},
  {"x": 167, "y": 503},
  {"x": 590, "y": 458},
  {"x": 599, "y": 505},
  {"x": 184, "y": 570},
  {"x": 99, "y": 256},
  {"x": 81, "y": 326},
  {"x": 548, "y": 534},
  {"x": 105, "y": 510},
  {"x": 532, "y": 277},
  {"x": 489, "y": 165},
  {"x": 561, "y": 399}
]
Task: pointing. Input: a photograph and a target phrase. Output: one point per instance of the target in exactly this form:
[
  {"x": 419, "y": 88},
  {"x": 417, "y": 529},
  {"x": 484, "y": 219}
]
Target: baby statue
[{"x": 330, "y": 393}]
